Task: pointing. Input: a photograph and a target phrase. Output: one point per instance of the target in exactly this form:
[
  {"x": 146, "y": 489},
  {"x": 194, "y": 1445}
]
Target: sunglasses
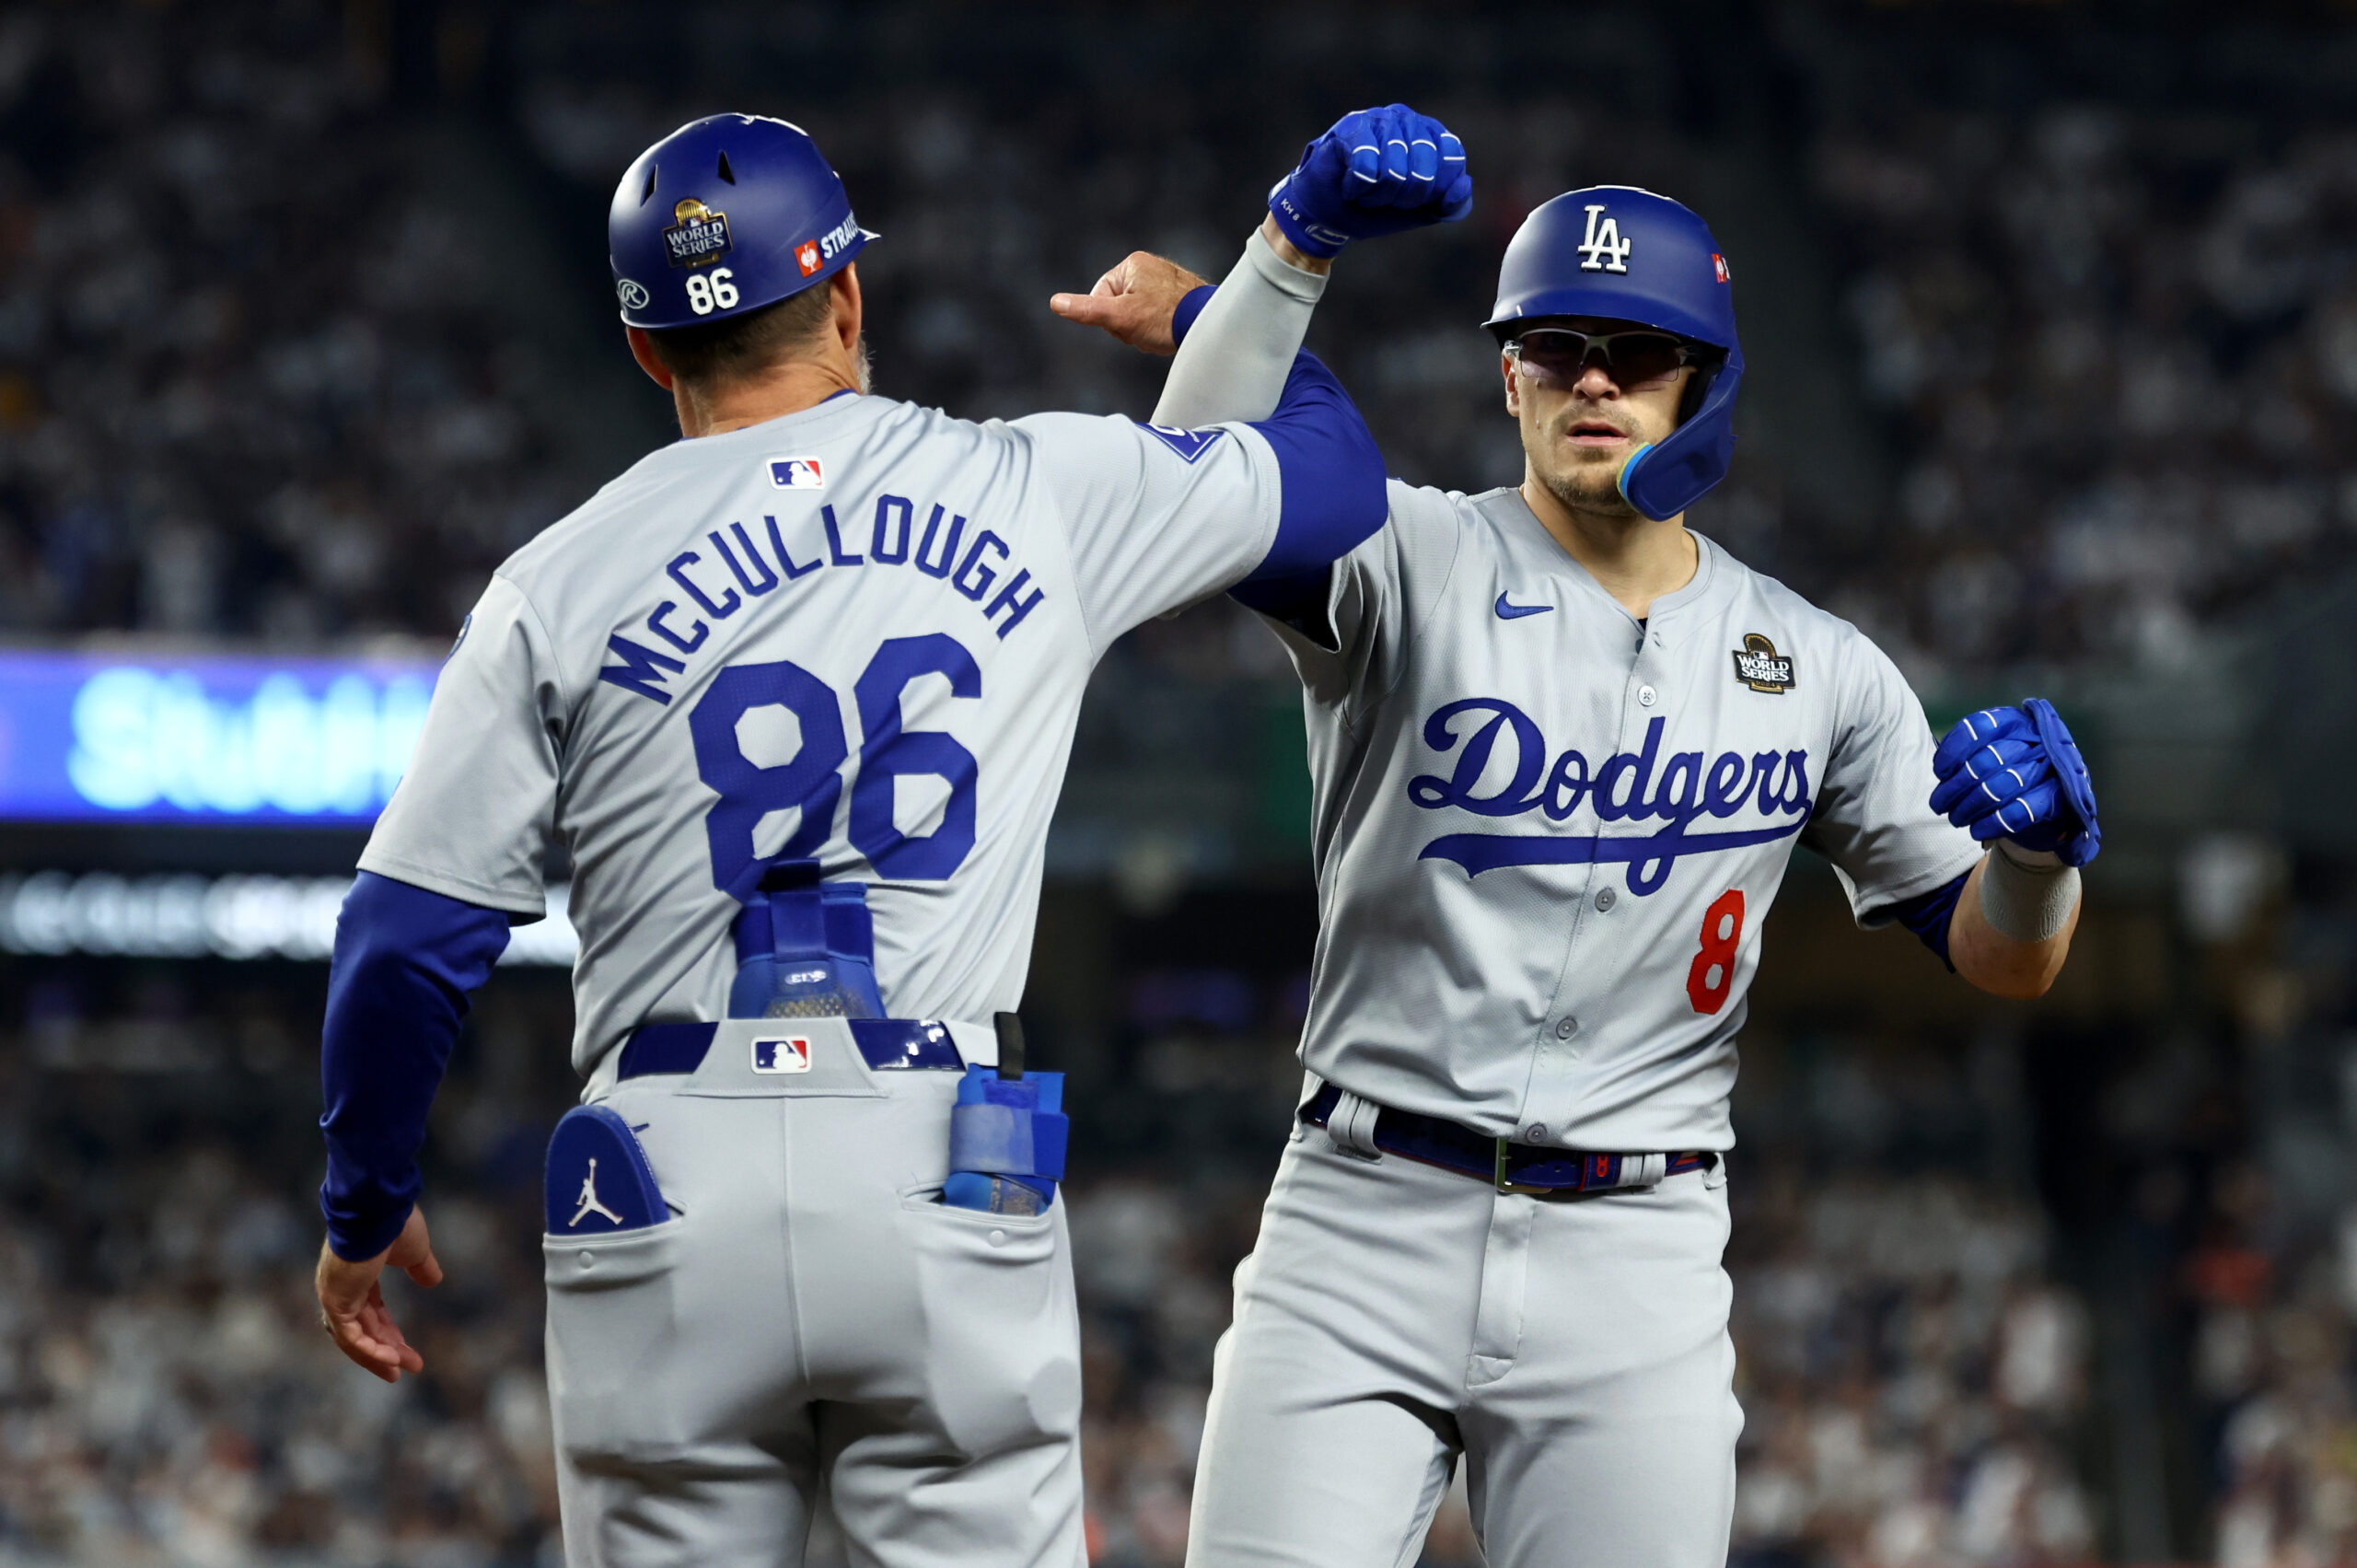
[{"x": 1556, "y": 356}]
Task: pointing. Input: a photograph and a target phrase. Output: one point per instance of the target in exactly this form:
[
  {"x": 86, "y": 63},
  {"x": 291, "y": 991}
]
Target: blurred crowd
[
  {"x": 1912, "y": 1376},
  {"x": 2263, "y": 1281},
  {"x": 166, "y": 1394},
  {"x": 251, "y": 382},
  {"x": 2120, "y": 351}
]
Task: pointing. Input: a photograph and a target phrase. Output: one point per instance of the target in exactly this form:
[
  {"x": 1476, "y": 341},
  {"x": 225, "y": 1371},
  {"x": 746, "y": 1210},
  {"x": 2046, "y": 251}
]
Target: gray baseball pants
[
  {"x": 812, "y": 1316},
  {"x": 1393, "y": 1317}
]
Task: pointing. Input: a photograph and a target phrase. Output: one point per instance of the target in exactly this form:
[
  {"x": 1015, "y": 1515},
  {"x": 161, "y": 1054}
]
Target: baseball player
[
  {"x": 1562, "y": 749},
  {"x": 794, "y": 694}
]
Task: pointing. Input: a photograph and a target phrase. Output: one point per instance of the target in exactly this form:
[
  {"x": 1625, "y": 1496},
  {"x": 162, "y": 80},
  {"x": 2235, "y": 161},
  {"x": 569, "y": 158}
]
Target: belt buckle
[{"x": 1498, "y": 1177}]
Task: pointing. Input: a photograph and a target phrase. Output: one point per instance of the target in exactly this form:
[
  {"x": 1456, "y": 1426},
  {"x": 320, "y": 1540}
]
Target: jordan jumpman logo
[{"x": 589, "y": 1203}]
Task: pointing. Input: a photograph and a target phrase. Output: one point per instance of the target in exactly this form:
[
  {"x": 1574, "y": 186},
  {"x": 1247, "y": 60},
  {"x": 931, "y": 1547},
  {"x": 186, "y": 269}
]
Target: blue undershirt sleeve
[
  {"x": 405, "y": 959},
  {"x": 1298, "y": 599},
  {"x": 1183, "y": 318},
  {"x": 1927, "y": 915},
  {"x": 1332, "y": 473}
]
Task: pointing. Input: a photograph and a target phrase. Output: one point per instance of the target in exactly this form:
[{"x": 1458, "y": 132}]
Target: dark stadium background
[{"x": 305, "y": 323}]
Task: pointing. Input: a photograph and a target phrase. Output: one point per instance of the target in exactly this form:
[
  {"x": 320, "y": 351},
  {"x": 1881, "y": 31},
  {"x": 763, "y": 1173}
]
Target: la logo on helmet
[{"x": 1602, "y": 250}]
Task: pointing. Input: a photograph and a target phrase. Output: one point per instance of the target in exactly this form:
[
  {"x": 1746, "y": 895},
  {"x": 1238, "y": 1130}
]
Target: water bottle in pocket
[
  {"x": 805, "y": 948},
  {"x": 1007, "y": 1134}
]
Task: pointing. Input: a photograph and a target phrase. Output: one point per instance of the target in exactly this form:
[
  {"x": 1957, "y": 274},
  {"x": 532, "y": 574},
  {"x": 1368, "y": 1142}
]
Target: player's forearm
[
  {"x": 405, "y": 959},
  {"x": 2040, "y": 920},
  {"x": 1236, "y": 355}
]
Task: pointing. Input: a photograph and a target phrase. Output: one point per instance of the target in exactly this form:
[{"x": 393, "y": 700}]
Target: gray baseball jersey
[
  {"x": 858, "y": 633},
  {"x": 1546, "y": 835}
]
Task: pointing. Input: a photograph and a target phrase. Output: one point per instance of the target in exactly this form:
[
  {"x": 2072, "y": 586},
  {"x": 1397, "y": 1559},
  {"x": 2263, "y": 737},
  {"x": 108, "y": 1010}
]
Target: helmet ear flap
[
  {"x": 1662, "y": 481},
  {"x": 1697, "y": 387}
]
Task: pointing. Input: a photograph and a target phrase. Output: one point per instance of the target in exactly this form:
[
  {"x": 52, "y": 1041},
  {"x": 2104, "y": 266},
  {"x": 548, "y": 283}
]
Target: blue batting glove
[
  {"x": 2015, "y": 773},
  {"x": 1377, "y": 171}
]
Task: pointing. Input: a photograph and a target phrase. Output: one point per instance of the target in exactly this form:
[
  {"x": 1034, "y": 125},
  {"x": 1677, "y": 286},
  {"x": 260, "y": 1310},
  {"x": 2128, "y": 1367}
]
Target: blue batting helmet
[
  {"x": 1629, "y": 255},
  {"x": 724, "y": 215}
]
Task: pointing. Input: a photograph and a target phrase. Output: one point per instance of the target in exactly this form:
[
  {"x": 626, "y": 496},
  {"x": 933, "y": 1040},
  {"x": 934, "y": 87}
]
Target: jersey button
[
  {"x": 1536, "y": 1132},
  {"x": 1606, "y": 898},
  {"x": 1566, "y": 1027},
  {"x": 1646, "y": 696}
]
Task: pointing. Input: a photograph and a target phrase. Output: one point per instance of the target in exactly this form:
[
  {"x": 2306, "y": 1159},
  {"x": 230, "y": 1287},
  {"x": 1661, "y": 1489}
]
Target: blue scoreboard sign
[{"x": 205, "y": 740}]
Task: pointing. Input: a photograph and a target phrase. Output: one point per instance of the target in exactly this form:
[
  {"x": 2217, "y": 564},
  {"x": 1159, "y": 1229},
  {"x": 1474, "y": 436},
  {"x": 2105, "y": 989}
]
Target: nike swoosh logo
[{"x": 1517, "y": 612}]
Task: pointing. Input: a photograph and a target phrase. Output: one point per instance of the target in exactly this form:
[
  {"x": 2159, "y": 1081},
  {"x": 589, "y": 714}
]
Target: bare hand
[
  {"x": 1134, "y": 302},
  {"x": 351, "y": 1301}
]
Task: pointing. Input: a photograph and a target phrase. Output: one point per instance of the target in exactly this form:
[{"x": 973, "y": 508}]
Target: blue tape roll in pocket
[{"x": 599, "y": 1180}]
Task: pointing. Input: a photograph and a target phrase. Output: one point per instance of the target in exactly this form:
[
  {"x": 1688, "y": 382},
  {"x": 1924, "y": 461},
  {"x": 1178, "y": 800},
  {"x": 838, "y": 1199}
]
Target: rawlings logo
[
  {"x": 1759, "y": 666},
  {"x": 1624, "y": 787}
]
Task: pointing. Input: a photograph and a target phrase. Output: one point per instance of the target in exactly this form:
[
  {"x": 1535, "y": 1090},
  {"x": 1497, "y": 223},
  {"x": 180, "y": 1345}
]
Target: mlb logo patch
[
  {"x": 1720, "y": 264},
  {"x": 1188, "y": 444},
  {"x": 789, "y": 1053},
  {"x": 805, "y": 256},
  {"x": 798, "y": 473}
]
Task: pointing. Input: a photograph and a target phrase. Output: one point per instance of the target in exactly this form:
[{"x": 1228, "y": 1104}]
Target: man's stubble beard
[{"x": 1594, "y": 490}]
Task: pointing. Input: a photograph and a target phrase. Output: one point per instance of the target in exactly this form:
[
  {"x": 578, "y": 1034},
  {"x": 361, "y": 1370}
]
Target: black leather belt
[
  {"x": 1505, "y": 1164},
  {"x": 889, "y": 1044}
]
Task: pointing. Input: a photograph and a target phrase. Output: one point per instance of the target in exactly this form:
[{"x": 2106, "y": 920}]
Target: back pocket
[{"x": 614, "y": 1323}]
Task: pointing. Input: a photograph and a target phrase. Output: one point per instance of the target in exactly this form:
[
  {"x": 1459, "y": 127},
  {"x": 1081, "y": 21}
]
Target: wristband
[{"x": 2027, "y": 895}]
